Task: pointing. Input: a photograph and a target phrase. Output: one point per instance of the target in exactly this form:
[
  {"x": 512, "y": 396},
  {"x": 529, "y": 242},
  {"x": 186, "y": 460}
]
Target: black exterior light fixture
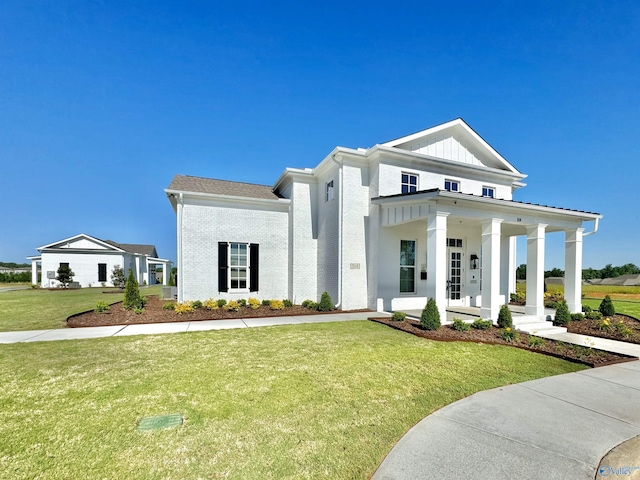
[{"x": 475, "y": 262}]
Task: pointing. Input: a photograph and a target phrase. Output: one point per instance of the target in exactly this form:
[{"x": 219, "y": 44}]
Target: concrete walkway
[
  {"x": 172, "y": 327},
  {"x": 553, "y": 428}
]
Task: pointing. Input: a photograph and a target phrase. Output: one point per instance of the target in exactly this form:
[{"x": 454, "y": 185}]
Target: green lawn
[
  {"x": 622, "y": 306},
  {"x": 301, "y": 401},
  {"x": 41, "y": 309}
]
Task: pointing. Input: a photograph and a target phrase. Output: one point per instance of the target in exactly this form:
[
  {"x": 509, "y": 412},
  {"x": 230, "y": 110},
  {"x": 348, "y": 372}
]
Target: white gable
[
  {"x": 454, "y": 141},
  {"x": 81, "y": 242}
]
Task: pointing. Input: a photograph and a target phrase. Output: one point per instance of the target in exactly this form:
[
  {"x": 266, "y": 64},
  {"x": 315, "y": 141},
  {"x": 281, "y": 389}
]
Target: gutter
[
  {"x": 180, "y": 206},
  {"x": 340, "y": 220},
  {"x": 595, "y": 227}
]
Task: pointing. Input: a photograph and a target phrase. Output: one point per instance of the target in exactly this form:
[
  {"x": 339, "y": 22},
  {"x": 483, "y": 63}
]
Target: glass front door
[{"x": 454, "y": 277}]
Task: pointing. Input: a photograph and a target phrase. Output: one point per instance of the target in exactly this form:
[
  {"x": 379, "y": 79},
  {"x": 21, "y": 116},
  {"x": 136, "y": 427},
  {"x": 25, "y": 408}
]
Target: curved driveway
[{"x": 554, "y": 428}]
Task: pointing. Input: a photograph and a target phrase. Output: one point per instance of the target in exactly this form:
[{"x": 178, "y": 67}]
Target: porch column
[
  {"x": 34, "y": 271},
  {"x": 437, "y": 261},
  {"x": 573, "y": 269},
  {"x": 166, "y": 271},
  {"x": 507, "y": 266},
  {"x": 535, "y": 270},
  {"x": 491, "y": 269}
]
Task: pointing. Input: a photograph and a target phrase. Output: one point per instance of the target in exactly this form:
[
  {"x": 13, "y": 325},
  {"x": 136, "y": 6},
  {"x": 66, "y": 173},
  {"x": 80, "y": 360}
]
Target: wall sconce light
[{"x": 475, "y": 261}]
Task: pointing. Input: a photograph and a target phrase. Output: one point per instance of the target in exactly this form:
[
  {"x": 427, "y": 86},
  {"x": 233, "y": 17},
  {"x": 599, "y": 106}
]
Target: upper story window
[
  {"x": 328, "y": 196},
  {"x": 409, "y": 183},
  {"x": 488, "y": 192},
  {"x": 452, "y": 185}
]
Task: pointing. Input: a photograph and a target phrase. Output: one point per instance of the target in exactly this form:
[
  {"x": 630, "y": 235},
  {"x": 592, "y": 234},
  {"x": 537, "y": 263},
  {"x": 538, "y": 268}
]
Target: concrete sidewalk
[
  {"x": 173, "y": 327},
  {"x": 553, "y": 428}
]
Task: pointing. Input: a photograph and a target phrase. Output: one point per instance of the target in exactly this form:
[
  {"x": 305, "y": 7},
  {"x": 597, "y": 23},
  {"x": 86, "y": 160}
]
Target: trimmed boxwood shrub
[
  {"x": 606, "y": 307},
  {"x": 504, "y": 317},
  {"x": 480, "y": 324},
  {"x": 460, "y": 325},
  {"x": 325, "y": 305},
  {"x": 287, "y": 303},
  {"x": 398, "y": 317},
  {"x": 222, "y": 302},
  {"x": 563, "y": 317},
  {"x": 430, "y": 318}
]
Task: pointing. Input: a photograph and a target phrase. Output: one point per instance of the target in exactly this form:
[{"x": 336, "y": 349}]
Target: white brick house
[
  {"x": 92, "y": 261},
  {"x": 427, "y": 215}
]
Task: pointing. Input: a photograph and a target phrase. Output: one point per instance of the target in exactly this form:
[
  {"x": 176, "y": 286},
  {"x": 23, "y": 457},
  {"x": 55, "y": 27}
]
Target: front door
[{"x": 454, "y": 277}]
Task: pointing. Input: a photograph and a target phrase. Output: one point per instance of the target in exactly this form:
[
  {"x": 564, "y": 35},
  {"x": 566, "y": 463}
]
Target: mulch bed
[
  {"x": 575, "y": 353},
  {"x": 590, "y": 328},
  {"x": 154, "y": 313}
]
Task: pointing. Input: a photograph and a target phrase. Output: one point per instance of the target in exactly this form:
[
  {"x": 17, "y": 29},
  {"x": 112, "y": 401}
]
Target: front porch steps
[{"x": 536, "y": 325}]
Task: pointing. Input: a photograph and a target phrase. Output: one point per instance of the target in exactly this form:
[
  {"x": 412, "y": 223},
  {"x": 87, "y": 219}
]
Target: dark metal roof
[
  {"x": 186, "y": 183},
  {"x": 438, "y": 190},
  {"x": 135, "y": 248}
]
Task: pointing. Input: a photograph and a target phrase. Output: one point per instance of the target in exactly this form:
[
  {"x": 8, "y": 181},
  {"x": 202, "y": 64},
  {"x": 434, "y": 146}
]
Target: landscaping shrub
[
  {"x": 253, "y": 303},
  {"x": 184, "y": 307},
  {"x": 287, "y": 303},
  {"x": 169, "y": 306},
  {"x": 222, "y": 302},
  {"x": 102, "y": 307},
  {"x": 518, "y": 298},
  {"x": 326, "y": 304},
  {"x": 430, "y": 318},
  {"x": 242, "y": 302},
  {"x": 622, "y": 329},
  {"x": 306, "y": 303},
  {"x": 593, "y": 315},
  {"x": 605, "y": 325},
  {"x": 586, "y": 308},
  {"x": 510, "y": 335},
  {"x": 232, "y": 306},
  {"x": 398, "y": 317},
  {"x": 313, "y": 305},
  {"x": 196, "y": 304},
  {"x": 266, "y": 303},
  {"x": 577, "y": 317},
  {"x": 563, "y": 317},
  {"x": 504, "y": 317},
  {"x": 480, "y": 324},
  {"x": 210, "y": 304},
  {"x": 138, "y": 310},
  {"x": 132, "y": 298},
  {"x": 117, "y": 276},
  {"x": 536, "y": 341},
  {"x": 460, "y": 325},
  {"x": 276, "y": 305},
  {"x": 606, "y": 307}
]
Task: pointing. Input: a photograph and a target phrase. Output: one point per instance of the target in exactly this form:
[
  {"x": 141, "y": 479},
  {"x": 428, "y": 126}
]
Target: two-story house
[{"x": 427, "y": 215}]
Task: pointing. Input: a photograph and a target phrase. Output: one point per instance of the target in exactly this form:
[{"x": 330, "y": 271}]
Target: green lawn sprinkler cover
[{"x": 162, "y": 421}]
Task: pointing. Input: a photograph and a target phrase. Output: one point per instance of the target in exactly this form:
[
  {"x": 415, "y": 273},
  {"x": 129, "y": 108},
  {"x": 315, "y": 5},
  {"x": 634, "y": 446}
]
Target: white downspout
[
  {"x": 341, "y": 190},
  {"x": 595, "y": 228},
  {"x": 180, "y": 206}
]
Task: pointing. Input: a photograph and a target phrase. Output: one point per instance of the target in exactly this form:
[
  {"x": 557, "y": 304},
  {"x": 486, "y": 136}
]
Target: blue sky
[{"x": 102, "y": 103}]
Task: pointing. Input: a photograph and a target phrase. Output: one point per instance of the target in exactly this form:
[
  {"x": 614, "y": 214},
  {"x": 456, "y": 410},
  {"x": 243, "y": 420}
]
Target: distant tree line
[
  {"x": 23, "y": 277},
  {"x": 608, "y": 271}
]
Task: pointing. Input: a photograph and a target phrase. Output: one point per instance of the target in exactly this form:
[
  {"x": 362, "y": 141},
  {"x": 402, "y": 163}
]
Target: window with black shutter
[
  {"x": 223, "y": 265},
  {"x": 102, "y": 272},
  {"x": 238, "y": 266}
]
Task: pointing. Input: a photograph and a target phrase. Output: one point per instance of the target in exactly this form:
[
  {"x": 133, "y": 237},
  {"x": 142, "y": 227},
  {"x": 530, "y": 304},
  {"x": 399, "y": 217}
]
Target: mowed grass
[
  {"x": 41, "y": 309},
  {"x": 301, "y": 401},
  {"x": 631, "y": 308}
]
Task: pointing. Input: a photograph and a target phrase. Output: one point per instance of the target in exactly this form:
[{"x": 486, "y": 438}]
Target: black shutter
[
  {"x": 253, "y": 267},
  {"x": 222, "y": 267}
]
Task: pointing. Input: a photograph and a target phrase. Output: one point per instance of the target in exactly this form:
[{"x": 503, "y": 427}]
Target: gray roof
[
  {"x": 186, "y": 183},
  {"x": 135, "y": 248}
]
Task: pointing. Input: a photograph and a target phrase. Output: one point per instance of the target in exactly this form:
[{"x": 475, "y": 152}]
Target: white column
[
  {"x": 437, "y": 260},
  {"x": 34, "y": 271},
  {"x": 573, "y": 269},
  {"x": 507, "y": 266},
  {"x": 491, "y": 269},
  {"x": 166, "y": 271},
  {"x": 535, "y": 270}
]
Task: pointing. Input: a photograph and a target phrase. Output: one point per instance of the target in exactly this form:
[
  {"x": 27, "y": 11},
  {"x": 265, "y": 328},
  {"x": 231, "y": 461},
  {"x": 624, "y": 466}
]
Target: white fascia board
[
  {"x": 231, "y": 199},
  {"x": 81, "y": 235},
  {"x": 290, "y": 174},
  {"x": 36, "y": 258},
  {"x": 172, "y": 199},
  {"x": 156, "y": 259},
  {"x": 405, "y": 155}
]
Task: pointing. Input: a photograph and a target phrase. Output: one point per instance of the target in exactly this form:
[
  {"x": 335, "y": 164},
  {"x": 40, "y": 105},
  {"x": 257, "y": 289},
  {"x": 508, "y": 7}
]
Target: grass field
[
  {"x": 303, "y": 401},
  {"x": 41, "y": 309}
]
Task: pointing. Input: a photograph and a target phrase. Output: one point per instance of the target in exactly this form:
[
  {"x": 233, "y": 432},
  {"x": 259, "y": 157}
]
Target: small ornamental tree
[
  {"x": 504, "y": 317},
  {"x": 606, "y": 307},
  {"x": 563, "y": 317},
  {"x": 65, "y": 274},
  {"x": 326, "y": 304},
  {"x": 430, "y": 318},
  {"x": 132, "y": 298},
  {"x": 117, "y": 276}
]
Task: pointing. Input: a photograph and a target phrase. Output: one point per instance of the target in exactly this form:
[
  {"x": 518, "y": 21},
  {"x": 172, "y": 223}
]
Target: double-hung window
[
  {"x": 409, "y": 183},
  {"x": 451, "y": 185},
  {"x": 488, "y": 192},
  {"x": 407, "y": 266},
  {"x": 238, "y": 266}
]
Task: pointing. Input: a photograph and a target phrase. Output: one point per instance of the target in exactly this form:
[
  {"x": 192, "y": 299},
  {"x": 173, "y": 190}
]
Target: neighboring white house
[
  {"x": 92, "y": 261},
  {"x": 427, "y": 215}
]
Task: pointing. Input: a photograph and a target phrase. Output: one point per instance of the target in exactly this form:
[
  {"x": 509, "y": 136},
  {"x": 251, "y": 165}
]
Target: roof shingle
[{"x": 188, "y": 183}]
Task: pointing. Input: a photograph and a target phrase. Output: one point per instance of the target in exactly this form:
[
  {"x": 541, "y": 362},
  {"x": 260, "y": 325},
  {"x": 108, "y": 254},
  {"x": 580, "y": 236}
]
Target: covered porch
[{"x": 461, "y": 251}]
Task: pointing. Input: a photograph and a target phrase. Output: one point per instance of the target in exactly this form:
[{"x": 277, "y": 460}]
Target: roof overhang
[{"x": 230, "y": 200}]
